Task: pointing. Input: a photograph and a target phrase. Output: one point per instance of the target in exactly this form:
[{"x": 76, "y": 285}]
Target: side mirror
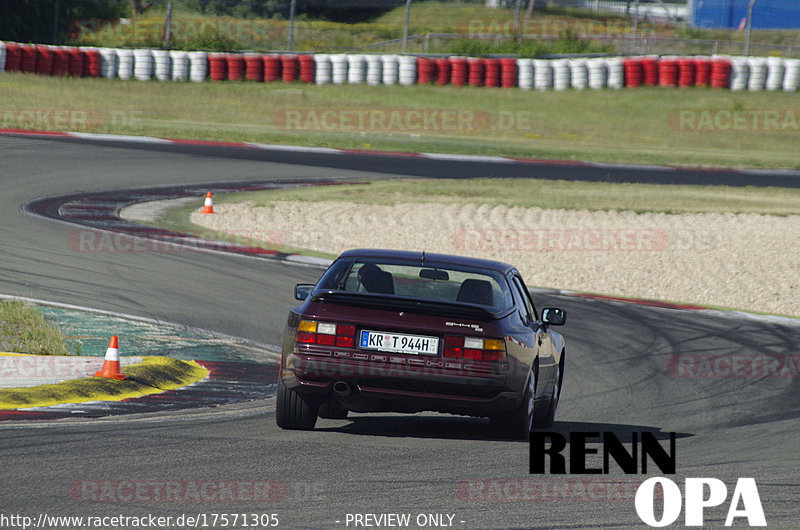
[
  {"x": 302, "y": 290},
  {"x": 552, "y": 316}
]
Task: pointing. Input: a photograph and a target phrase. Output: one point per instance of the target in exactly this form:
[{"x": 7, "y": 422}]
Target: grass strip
[
  {"x": 25, "y": 330},
  {"x": 152, "y": 376},
  {"x": 696, "y": 127}
]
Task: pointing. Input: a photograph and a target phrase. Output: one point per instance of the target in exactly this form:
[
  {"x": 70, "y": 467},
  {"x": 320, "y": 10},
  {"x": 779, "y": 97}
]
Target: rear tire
[
  {"x": 295, "y": 410},
  {"x": 517, "y": 424},
  {"x": 547, "y": 419},
  {"x": 332, "y": 410}
]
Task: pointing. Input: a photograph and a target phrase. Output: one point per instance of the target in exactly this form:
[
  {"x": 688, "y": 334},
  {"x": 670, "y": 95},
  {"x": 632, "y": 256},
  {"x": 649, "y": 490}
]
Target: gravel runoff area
[{"x": 743, "y": 261}]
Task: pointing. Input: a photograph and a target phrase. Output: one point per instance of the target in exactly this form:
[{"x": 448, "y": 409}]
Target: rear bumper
[{"x": 434, "y": 384}]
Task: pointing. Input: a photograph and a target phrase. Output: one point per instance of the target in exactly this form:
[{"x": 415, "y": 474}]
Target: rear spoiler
[{"x": 405, "y": 303}]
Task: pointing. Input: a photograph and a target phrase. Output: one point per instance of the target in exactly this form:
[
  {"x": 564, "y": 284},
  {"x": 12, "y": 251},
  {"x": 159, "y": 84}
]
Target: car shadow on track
[
  {"x": 414, "y": 426},
  {"x": 463, "y": 428},
  {"x": 623, "y": 432}
]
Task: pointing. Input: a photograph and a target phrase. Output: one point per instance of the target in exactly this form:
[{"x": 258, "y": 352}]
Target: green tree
[{"x": 49, "y": 21}]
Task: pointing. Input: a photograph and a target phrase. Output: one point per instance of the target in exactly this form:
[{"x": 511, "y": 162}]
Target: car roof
[{"x": 417, "y": 257}]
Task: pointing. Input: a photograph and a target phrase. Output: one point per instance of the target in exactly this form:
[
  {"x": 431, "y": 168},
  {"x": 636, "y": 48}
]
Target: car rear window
[{"x": 437, "y": 282}]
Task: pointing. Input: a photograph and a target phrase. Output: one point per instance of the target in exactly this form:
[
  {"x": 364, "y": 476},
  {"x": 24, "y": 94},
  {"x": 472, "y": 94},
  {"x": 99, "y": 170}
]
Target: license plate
[{"x": 399, "y": 343}]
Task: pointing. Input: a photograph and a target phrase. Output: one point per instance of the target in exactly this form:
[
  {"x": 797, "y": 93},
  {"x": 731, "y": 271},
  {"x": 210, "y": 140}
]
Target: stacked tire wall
[{"x": 578, "y": 73}]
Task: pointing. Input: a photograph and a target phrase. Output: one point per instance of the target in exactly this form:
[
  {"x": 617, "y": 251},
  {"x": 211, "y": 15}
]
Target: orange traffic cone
[
  {"x": 208, "y": 206},
  {"x": 111, "y": 364}
]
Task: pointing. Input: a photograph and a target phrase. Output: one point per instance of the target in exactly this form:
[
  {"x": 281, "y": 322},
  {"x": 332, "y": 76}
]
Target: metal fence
[
  {"x": 667, "y": 46},
  {"x": 651, "y": 11},
  {"x": 625, "y": 45}
]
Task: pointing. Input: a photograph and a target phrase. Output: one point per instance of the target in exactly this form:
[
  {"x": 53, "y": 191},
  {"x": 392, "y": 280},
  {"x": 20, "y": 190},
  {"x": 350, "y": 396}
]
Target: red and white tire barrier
[
  {"x": 578, "y": 73},
  {"x": 180, "y": 65},
  {"x": 407, "y": 68},
  {"x": 125, "y": 64}
]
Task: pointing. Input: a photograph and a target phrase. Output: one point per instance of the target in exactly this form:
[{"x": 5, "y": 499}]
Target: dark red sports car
[{"x": 386, "y": 330}]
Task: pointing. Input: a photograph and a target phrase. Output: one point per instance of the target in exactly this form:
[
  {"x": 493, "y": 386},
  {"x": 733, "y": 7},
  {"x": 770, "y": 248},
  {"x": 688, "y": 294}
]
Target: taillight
[
  {"x": 345, "y": 336},
  {"x": 475, "y": 348},
  {"x": 326, "y": 333},
  {"x": 453, "y": 346}
]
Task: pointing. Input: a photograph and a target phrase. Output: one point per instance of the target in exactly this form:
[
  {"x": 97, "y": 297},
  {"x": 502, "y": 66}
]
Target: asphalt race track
[{"x": 620, "y": 377}]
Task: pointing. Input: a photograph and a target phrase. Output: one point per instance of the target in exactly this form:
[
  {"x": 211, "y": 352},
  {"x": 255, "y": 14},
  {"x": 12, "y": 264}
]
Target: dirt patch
[{"x": 746, "y": 261}]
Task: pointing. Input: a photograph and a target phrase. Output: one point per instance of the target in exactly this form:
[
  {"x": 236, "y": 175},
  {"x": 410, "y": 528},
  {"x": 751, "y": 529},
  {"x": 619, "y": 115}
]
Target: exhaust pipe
[{"x": 341, "y": 389}]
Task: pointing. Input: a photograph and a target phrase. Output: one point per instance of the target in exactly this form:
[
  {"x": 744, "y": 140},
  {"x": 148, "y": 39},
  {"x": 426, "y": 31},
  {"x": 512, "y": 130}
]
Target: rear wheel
[
  {"x": 546, "y": 419},
  {"x": 295, "y": 410},
  {"x": 517, "y": 423}
]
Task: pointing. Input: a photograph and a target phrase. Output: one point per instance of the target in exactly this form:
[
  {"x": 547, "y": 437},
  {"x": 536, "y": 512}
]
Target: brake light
[
  {"x": 345, "y": 336},
  {"x": 326, "y": 333},
  {"x": 453, "y": 346},
  {"x": 475, "y": 348}
]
